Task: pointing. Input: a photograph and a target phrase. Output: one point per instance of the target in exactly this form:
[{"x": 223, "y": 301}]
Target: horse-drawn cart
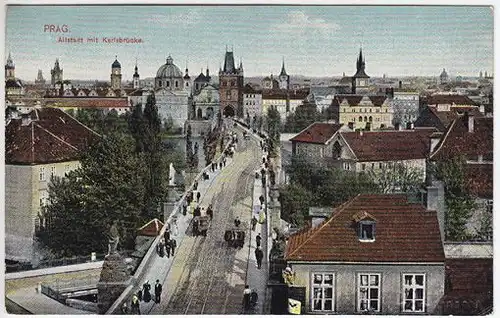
[{"x": 235, "y": 237}]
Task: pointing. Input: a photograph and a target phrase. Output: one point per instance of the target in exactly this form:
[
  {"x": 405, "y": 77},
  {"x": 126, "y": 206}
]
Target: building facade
[
  {"x": 206, "y": 104},
  {"x": 405, "y": 106},
  {"x": 44, "y": 143},
  {"x": 231, "y": 87},
  {"x": 371, "y": 256},
  {"x": 172, "y": 96},
  {"x": 252, "y": 101},
  {"x": 363, "y": 111}
]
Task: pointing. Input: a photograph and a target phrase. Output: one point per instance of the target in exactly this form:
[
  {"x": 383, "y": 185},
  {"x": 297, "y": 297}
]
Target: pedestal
[
  {"x": 114, "y": 279},
  {"x": 169, "y": 206},
  {"x": 274, "y": 208}
]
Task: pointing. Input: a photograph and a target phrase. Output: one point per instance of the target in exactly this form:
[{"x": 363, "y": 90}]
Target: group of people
[
  {"x": 143, "y": 294},
  {"x": 166, "y": 247}
]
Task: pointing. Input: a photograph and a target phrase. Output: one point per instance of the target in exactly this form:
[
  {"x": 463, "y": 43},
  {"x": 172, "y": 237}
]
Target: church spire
[{"x": 283, "y": 72}]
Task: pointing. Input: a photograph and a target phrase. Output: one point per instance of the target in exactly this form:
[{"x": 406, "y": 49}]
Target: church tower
[
  {"x": 135, "y": 77},
  {"x": 116, "y": 75},
  {"x": 231, "y": 87},
  {"x": 56, "y": 74},
  {"x": 360, "y": 79},
  {"x": 284, "y": 78},
  {"x": 10, "y": 69},
  {"x": 187, "y": 80}
]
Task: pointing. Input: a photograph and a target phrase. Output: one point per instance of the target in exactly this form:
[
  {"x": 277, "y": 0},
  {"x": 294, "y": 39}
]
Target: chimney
[
  {"x": 434, "y": 201},
  {"x": 470, "y": 122},
  {"x": 25, "y": 119},
  {"x": 435, "y": 138},
  {"x": 318, "y": 215}
]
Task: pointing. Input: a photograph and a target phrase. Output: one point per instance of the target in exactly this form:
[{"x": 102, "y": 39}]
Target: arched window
[
  {"x": 160, "y": 83},
  {"x": 366, "y": 119},
  {"x": 360, "y": 118},
  {"x": 370, "y": 119},
  {"x": 168, "y": 83},
  {"x": 176, "y": 84}
]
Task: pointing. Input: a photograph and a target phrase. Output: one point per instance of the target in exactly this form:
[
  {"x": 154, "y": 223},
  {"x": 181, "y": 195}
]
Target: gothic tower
[
  {"x": 56, "y": 74},
  {"x": 360, "y": 79},
  {"x": 284, "y": 79},
  {"x": 231, "y": 87},
  {"x": 10, "y": 69},
  {"x": 116, "y": 75},
  {"x": 136, "y": 77}
]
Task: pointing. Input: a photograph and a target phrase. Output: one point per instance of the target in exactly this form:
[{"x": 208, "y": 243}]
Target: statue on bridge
[
  {"x": 171, "y": 175},
  {"x": 113, "y": 238}
]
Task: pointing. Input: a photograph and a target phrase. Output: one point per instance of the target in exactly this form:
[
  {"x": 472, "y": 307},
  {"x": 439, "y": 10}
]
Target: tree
[
  {"x": 137, "y": 127},
  {"x": 273, "y": 129},
  {"x": 459, "y": 202},
  {"x": 397, "y": 177},
  {"x": 304, "y": 115},
  {"x": 295, "y": 201},
  {"x": 108, "y": 186}
]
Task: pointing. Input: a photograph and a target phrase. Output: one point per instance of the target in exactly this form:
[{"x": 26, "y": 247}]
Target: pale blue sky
[{"x": 314, "y": 40}]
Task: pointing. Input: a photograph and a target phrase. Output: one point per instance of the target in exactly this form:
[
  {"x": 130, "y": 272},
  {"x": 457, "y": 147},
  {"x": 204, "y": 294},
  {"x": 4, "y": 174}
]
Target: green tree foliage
[
  {"x": 459, "y": 202},
  {"x": 397, "y": 178},
  {"x": 108, "y": 186},
  {"x": 324, "y": 186},
  {"x": 137, "y": 127},
  {"x": 295, "y": 201},
  {"x": 304, "y": 115},
  {"x": 273, "y": 129}
]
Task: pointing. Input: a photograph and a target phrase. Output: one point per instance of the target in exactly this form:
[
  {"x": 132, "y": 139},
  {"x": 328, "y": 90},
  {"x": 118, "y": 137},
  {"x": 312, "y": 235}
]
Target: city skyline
[{"x": 315, "y": 41}]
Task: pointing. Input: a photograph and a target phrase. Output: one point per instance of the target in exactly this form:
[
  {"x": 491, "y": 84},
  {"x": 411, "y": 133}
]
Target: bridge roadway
[{"x": 207, "y": 276}]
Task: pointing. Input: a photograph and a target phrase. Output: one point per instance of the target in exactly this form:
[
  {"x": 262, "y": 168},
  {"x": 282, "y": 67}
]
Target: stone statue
[
  {"x": 171, "y": 175},
  {"x": 114, "y": 238}
]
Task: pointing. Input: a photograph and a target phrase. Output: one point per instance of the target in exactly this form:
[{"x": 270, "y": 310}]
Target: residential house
[
  {"x": 252, "y": 101},
  {"x": 378, "y": 150},
  {"x": 44, "y": 143},
  {"x": 440, "y": 110},
  {"x": 285, "y": 101},
  {"x": 405, "y": 105},
  {"x": 120, "y": 105},
  {"x": 472, "y": 138},
  {"x": 374, "y": 254},
  {"x": 315, "y": 141}
]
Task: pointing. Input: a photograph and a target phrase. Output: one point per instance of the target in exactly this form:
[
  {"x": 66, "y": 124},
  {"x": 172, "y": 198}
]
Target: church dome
[
  {"x": 169, "y": 70},
  {"x": 116, "y": 64}
]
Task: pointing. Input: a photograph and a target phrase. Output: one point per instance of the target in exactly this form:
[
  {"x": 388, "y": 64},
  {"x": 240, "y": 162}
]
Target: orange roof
[
  {"x": 152, "y": 228},
  {"x": 317, "y": 133},
  {"x": 399, "y": 234}
]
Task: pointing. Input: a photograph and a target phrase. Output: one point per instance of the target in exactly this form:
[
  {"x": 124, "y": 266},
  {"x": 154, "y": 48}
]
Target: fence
[
  {"x": 57, "y": 289},
  {"x": 19, "y": 267}
]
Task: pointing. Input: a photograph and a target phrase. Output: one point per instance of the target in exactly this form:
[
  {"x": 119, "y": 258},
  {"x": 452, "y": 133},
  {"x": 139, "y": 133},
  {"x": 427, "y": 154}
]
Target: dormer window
[
  {"x": 365, "y": 226},
  {"x": 366, "y": 231}
]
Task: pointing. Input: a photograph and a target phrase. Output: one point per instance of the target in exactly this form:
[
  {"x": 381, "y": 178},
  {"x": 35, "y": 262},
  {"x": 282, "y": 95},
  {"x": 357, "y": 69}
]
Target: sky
[{"x": 313, "y": 40}]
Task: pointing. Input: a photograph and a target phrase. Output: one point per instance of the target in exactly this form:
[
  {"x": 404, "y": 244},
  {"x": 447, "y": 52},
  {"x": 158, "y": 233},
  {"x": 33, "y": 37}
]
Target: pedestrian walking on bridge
[
  {"x": 198, "y": 195},
  {"x": 158, "y": 289},
  {"x": 135, "y": 306},
  {"x": 258, "y": 239},
  {"x": 259, "y": 255},
  {"x": 246, "y": 297},
  {"x": 173, "y": 245},
  {"x": 168, "y": 248}
]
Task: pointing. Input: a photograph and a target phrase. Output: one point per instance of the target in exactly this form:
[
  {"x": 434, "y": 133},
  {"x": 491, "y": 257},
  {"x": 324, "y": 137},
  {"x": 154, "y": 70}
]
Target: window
[
  {"x": 67, "y": 168},
  {"x": 363, "y": 166},
  {"x": 52, "y": 171},
  {"x": 360, "y": 119},
  {"x": 322, "y": 292},
  {"x": 414, "y": 292},
  {"x": 369, "y": 292},
  {"x": 366, "y": 231},
  {"x": 168, "y": 83},
  {"x": 160, "y": 83},
  {"x": 42, "y": 173},
  {"x": 347, "y": 166},
  {"x": 489, "y": 206},
  {"x": 176, "y": 84},
  {"x": 43, "y": 196}
]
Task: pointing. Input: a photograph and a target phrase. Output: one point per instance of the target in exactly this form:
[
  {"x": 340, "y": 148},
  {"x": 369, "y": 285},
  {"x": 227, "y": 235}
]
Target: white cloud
[
  {"x": 298, "y": 22},
  {"x": 188, "y": 18}
]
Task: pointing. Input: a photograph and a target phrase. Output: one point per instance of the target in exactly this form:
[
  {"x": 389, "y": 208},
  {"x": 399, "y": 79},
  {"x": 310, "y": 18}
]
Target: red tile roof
[
  {"x": 88, "y": 102},
  {"x": 51, "y": 136},
  {"x": 458, "y": 141},
  {"x": 480, "y": 180},
  {"x": 317, "y": 133},
  {"x": 152, "y": 228},
  {"x": 390, "y": 145},
  {"x": 449, "y": 99},
  {"x": 354, "y": 100},
  {"x": 404, "y": 232}
]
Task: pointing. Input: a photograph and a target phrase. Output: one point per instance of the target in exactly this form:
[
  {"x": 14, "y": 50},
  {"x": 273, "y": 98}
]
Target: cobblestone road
[{"x": 208, "y": 276}]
